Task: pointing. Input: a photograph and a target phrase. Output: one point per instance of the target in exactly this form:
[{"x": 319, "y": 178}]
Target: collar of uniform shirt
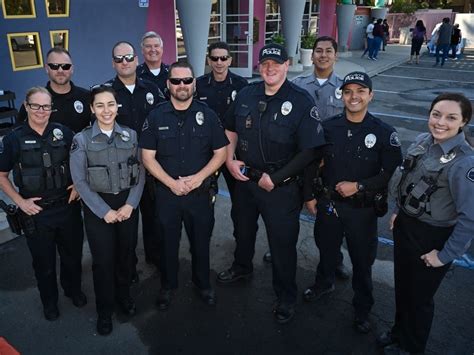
[
  {"x": 192, "y": 108},
  {"x": 96, "y": 130},
  {"x": 452, "y": 142},
  {"x": 227, "y": 79},
  {"x": 331, "y": 80},
  {"x": 55, "y": 94},
  {"x": 282, "y": 93}
]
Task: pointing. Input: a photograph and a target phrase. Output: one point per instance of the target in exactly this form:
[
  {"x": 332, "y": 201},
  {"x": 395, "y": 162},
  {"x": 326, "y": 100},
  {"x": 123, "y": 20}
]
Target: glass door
[{"x": 237, "y": 32}]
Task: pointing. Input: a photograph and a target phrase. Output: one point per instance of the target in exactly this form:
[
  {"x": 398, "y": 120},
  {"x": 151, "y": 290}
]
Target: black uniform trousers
[
  {"x": 151, "y": 238},
  {"x": 196, "y": 211},
  {"x": 359, "y": 227},
  {"x": 280, "y": 210},
  {"x": 59, "y": 227},
  {"x": 415, "y": 283},
  {"x": 112, "y": 249}
]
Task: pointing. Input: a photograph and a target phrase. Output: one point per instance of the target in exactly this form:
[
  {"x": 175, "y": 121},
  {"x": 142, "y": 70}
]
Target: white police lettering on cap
[
  {"x": 125, "y": 136},
  {"x": 286, "y": 108},
  {"x": 338, "y": 93},
  {"x": 446, "y": 158},
  {"x": 150, "y": 98},
  {"x": 394, "y": 140},
  {"x": 271, "y": 51},
  {"x": 233, "y": 95},
  {"x": 58, "y": 134},
  {"x": 199, "y": 118},
  {"x": 314, "y": 113},
  {"x": 355, "y": 76},
  {"x": 470, "y": 175},
  {"x": 78, "y": 106},
  {"x": 370, "y": 140}
]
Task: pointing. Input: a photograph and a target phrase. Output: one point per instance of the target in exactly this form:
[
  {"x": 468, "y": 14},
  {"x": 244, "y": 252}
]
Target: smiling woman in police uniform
[
  {"x": 109, "y": 178},
  {"x": 433, "y": 221},
  {"x": 38, "y": 153}
]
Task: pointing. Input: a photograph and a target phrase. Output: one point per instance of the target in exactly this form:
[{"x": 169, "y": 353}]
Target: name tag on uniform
[
  {"x": 30, "y": 142},
  {"x": 203, "y": 98},
  {"x": 165, "y": 128}
]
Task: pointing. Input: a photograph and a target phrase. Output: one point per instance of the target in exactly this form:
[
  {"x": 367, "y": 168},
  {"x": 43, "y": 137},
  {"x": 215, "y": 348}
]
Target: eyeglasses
[
  {"x": 36, "y": 107},
  {"x": 223, "y": 58},
  {"x": 185, "y": 81},
  {"x": 99, "y": 86},
  {"x": 56, "y": 66},
  {"x": 128, "y": 57}
]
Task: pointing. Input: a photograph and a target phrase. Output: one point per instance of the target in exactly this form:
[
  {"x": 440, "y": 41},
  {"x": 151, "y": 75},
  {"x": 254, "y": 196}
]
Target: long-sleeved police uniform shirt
[
  {"x": 78, "y": 163},
  {"x": 184, "y": 141},
  {"x": 271, "y": 130},
  {"x": 219, "y": 95},
  {"x": 71, "y": 109},
  {"x": 159, "y": 80},
  {"x": 134, "y": 108},
  {"x": 367, "y": 152}
]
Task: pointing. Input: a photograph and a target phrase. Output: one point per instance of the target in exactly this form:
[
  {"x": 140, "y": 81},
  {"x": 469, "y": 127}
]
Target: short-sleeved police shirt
[
  {"x": 184, "y": 141},
  {"x": 273, "y": 129},
  {"x": 71, "y": 109},
  {"x": 358, "y": 151},
  {"x": 219, "y": 95},
  {"x": 136, "y": 107}
]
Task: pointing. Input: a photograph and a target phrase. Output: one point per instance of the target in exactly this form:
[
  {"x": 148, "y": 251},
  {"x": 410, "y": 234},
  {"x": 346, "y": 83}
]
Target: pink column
[
  {"x": 259, "y": 13},
  {"x": 161, "y": 19},
  {"x": 327, "y": 18}
]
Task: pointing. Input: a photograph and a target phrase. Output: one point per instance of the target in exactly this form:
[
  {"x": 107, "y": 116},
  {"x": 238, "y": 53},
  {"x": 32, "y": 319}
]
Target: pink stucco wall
[
  {"x": 327, "y": 18},
  {"x": 161, "y": 19}
]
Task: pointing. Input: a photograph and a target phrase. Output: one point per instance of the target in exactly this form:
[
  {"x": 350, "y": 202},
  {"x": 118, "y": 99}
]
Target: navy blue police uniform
[
  {"x": 184, "y": 142},
  {"x": 159, "y": 80},
  {"x": 40, "y": 165},
  {"x": 271, "y": 131},
  {"x": 367, "y": 153},
  {"x": 219, "y": 96},
  {"x": 71, "y": 109},
  {"x": 132, "y": 113}
]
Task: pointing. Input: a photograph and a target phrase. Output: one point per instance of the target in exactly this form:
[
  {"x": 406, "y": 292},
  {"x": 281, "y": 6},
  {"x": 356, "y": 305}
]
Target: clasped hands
[
  {"x": 184, "y": 185},
  {"x": 120, "y": 215}
]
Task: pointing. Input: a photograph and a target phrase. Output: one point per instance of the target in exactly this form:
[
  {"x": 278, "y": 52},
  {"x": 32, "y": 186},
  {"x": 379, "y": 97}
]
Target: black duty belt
[
  {"x": 255, "y": 175},
  {"x": 48, "y": 203}
]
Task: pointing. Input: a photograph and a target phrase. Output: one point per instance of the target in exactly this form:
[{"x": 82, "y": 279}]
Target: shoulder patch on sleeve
[
  {"x": 394, "y": 140},
  {"x": 470, "y": 174},
  {"x": 314, "y": 113},
  {"x": 74, "y": 145},
  {"x": 145, "y": 125}
]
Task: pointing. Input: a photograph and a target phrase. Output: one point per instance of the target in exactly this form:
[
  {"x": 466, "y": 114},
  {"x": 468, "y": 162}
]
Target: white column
[{"x": 194, "y": 17}]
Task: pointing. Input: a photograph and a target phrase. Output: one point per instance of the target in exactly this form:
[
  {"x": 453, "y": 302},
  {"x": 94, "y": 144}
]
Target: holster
[
  {"x": 12, "y": 217},
  {"x": 27, "y": 224}
]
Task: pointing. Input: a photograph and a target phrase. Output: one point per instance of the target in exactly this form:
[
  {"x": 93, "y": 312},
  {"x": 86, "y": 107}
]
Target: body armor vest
[
  {"x": 43, "y": 165},
  {"x": 112, "y": 164}
]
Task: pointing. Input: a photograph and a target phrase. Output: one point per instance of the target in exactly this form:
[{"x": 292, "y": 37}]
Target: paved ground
[{"x": 242, "y": 322}]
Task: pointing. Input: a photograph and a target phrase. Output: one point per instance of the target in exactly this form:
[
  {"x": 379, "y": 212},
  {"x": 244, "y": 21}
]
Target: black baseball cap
[
  {"x": 357, "y": 77},
  {"x": 273, "y": 51}
]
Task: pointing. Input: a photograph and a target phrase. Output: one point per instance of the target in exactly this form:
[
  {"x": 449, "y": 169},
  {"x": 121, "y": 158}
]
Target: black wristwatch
[{"x": 360, "y": 187}]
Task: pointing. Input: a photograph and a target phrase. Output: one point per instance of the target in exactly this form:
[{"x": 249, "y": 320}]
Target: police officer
[
  {"x": 109, "y": 178},
  {"x": 38, "y": 153},
  {"x": 137, "y": 97},
  {"x": 153, "y": 69},
  {"x": 324, "y": 85},
  {"x": 358, "y": 163},
  {"x": 274, "y": 130},
  {"x": 183, "y": 144},
  {"x": 71, "y": 102},
  {"x": 218, "y": 89},
  {"x": 433, "y": 219}
]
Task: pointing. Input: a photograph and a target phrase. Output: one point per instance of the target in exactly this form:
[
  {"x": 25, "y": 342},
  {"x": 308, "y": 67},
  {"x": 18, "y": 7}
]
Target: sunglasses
[
  {"x": 128, "y": 57},
  {"x": 36, "y": 107},
  {"x": 223, "y": 58},
  {"x": 177, "y": 81},
  {"x": 99, "y": 86},
  {"x": 56, "y": 66}
]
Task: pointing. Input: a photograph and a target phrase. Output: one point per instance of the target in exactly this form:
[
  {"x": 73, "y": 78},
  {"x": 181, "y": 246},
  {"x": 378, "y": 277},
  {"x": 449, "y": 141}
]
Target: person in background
[
  {"x": 418, "y": 37},
  {"x": 432, "y": 200},
  {"x": 369, "y": 37},
  {"x": 377, "y": 40},
  {"x": 455, "y": 41},
  {"x": 109, "y": 177},
  {"x": 444, "y": 40},
  {"x": 153, "y": 69},
  {"x": 38, "y": 153},
  {"x": 386, "y": 33}
]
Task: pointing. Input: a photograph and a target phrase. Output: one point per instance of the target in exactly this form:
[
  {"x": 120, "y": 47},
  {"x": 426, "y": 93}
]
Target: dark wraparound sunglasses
[
  {"x": 223, "y": 58},
  {"x": 56, "y": 66},
  {"x": 177, "y": 81},
  {"x": 99, "y": 86},
  {"x": 128, "y": 57}
]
